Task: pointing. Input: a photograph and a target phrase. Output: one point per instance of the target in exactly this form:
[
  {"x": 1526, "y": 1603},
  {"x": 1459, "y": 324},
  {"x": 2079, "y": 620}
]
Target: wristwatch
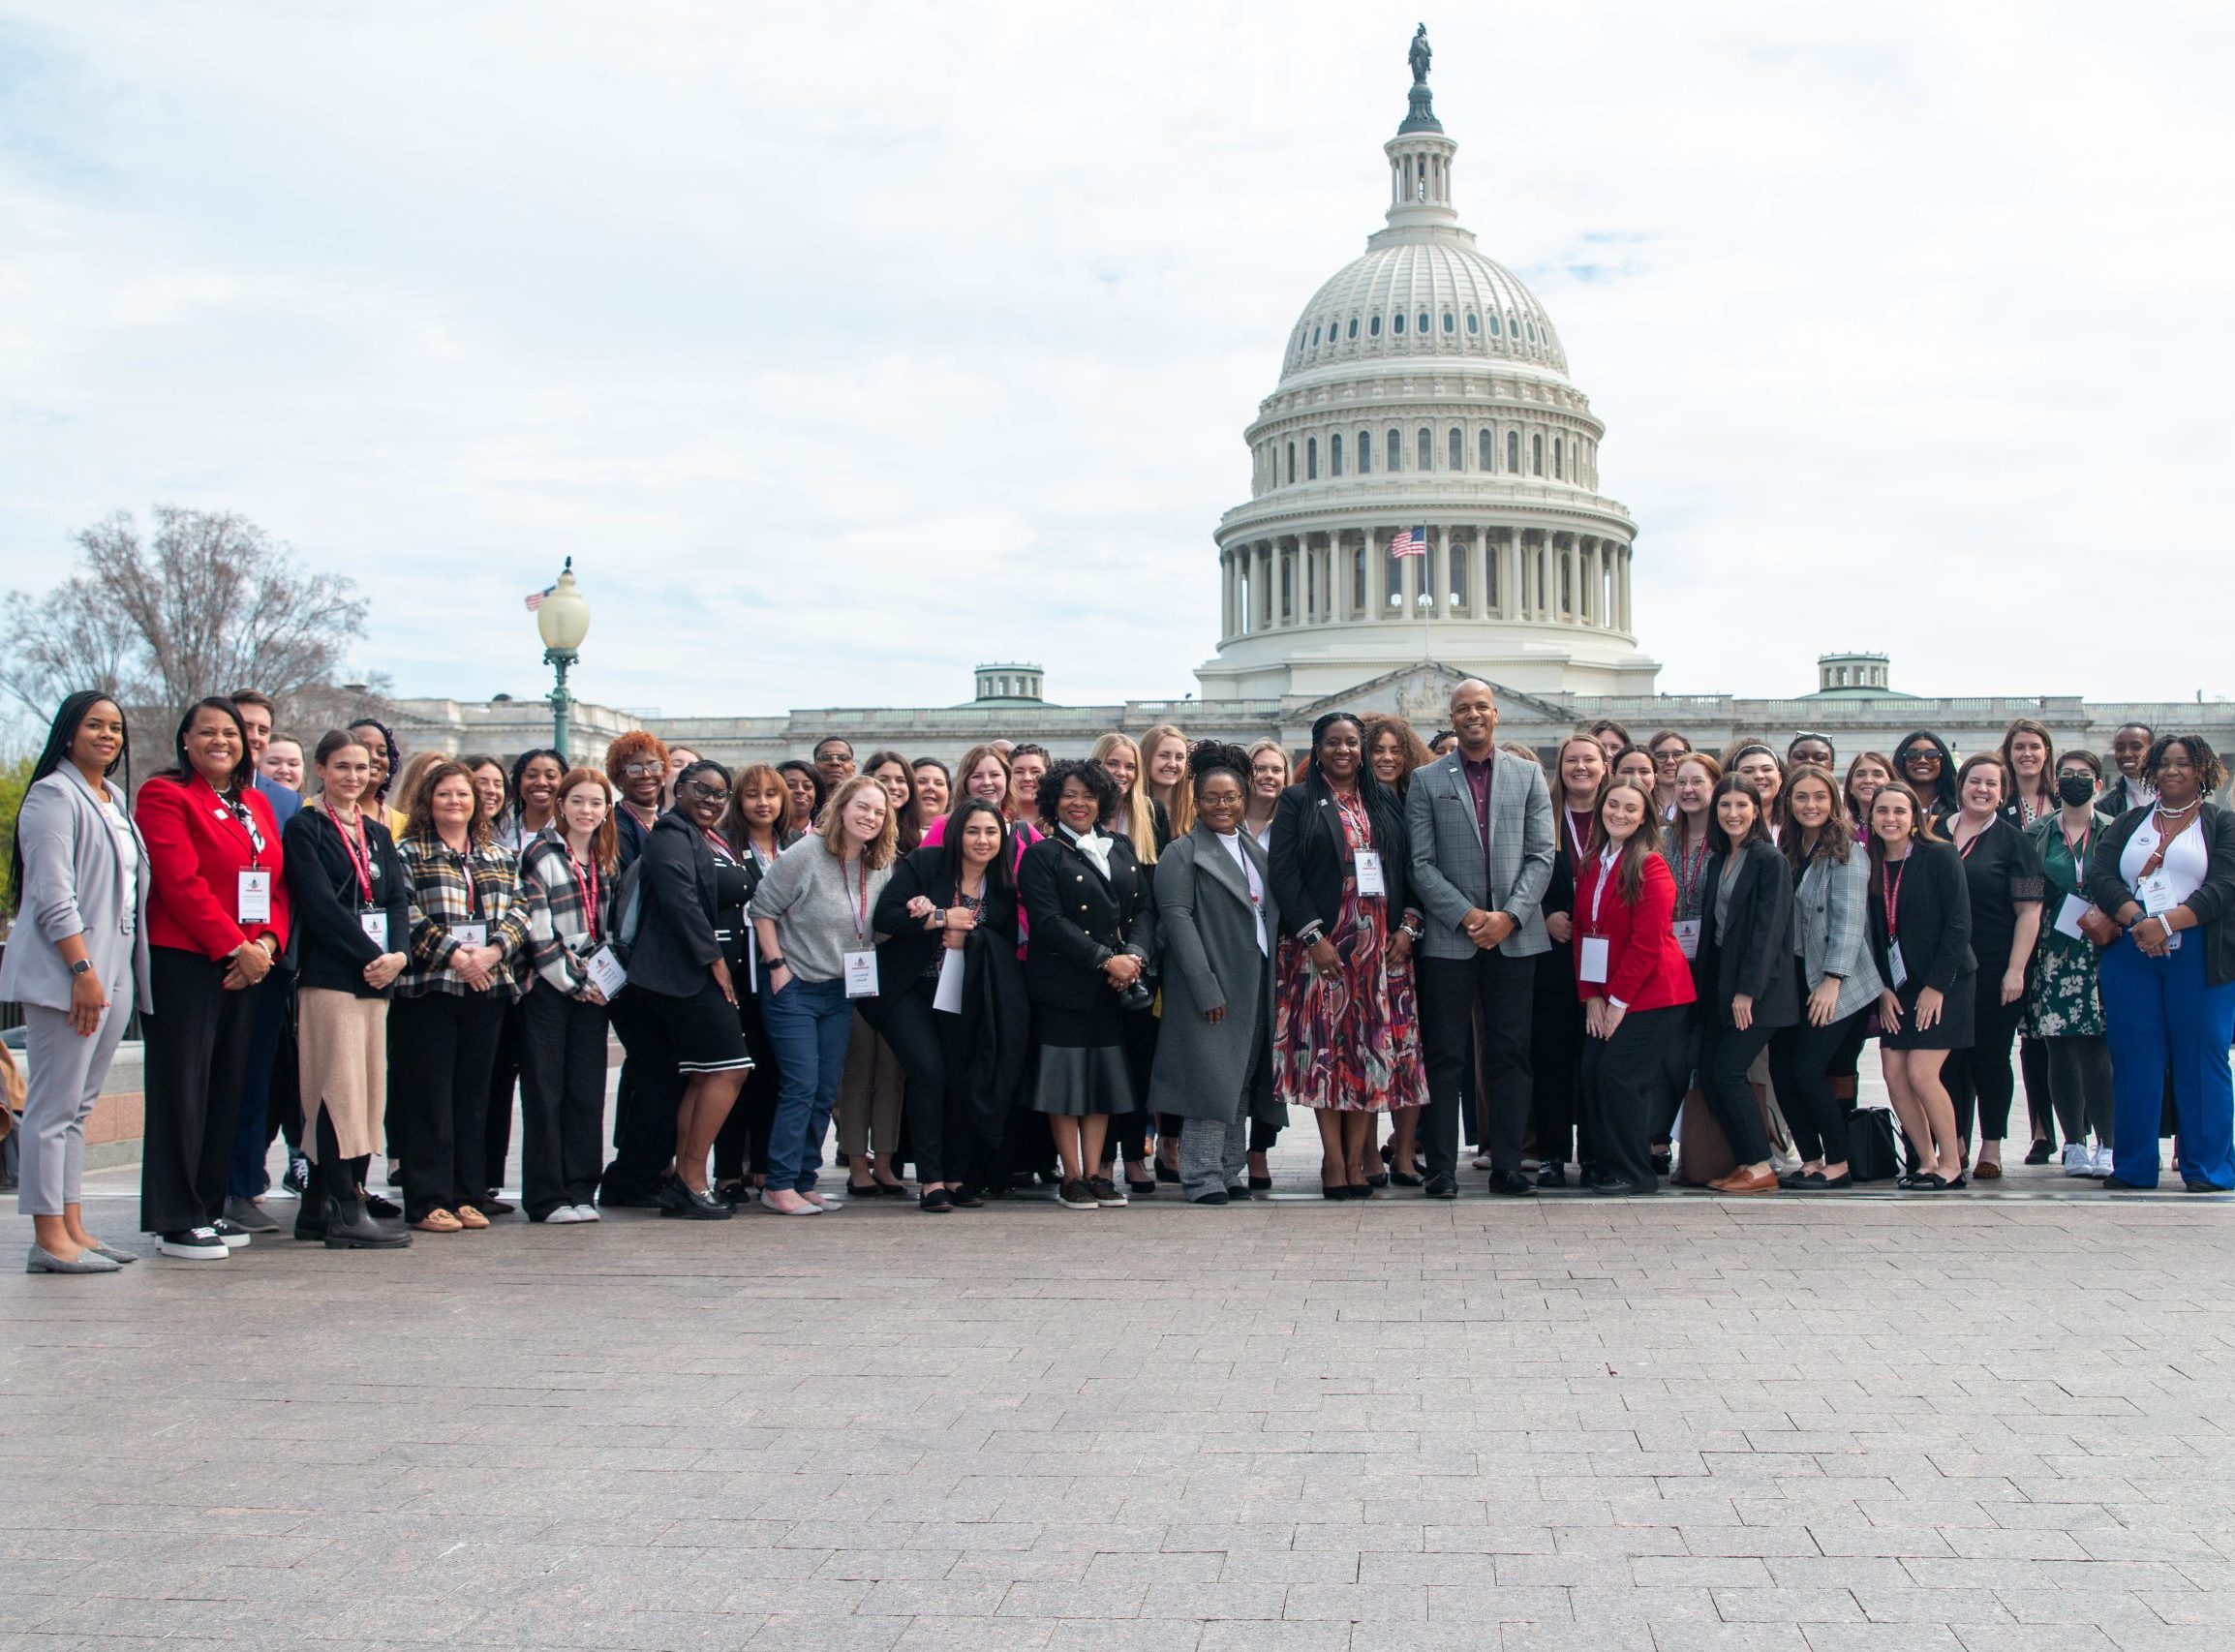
[
  {"x": 938, "y": 917},
  {"x": 83, "y": 967}
]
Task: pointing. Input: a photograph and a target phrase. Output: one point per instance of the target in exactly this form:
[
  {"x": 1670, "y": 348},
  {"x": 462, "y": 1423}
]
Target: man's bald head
[{"x": 1475, "y": 716}]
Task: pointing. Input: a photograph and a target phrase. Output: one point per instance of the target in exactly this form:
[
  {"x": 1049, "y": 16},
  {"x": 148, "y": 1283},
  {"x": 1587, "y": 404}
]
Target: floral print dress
[
  {"x": 2064, "y": 1003},
  {"x": 1348, "y": 1042}
]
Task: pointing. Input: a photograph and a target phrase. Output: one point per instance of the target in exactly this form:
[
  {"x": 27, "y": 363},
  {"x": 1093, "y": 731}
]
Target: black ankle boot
[
  {"x": 350, "y": 1227},
  {"x": 312, "y": 1212}
]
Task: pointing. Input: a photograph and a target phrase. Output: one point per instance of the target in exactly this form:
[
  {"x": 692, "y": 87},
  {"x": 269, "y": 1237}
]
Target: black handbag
[{"x": 1872, "y": 1154}]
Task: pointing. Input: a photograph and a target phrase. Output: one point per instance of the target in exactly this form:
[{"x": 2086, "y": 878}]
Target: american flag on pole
[
  {"x": 1412, "y": 543},
  {"x": 535, "y": 600}
]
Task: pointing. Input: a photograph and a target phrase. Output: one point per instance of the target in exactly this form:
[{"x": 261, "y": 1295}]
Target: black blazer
[
  {"x": 1933, "y": 918},
  {"x": 679, "y": 909},
  {"x": 1079, "y": 919},
  {"x": 332, "y": 948},
  {"x": 2215, "y": 897},
  {"x": 909, "y": 950},
  {"x": 1309, "y": 856},
  {"x": 1757, "y": 952}
]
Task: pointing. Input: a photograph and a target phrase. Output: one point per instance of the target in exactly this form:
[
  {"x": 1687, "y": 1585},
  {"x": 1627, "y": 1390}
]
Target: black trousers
[
  {"x": 1725, "y": 1054},
  {"x": 196, "y": 1055},
  {"x": 1129, "y": 1131},
  {"x": 1802, "y": 1059},
  {"x": 440, "y": 1050},
  {"x": 1979, "y": 1080},
  {"x": 742, "y": 1143},
  {"x": 1623, "y": 1084},
  {"x": 2079, "y": 1084},
  {"x": 561, "y": 1099},
  {"x": 1452, "y": 990},
  {"x": 1556, "y": 1041},
  {"x": 934, "y": 1050},
  {"x": 2033, "y": 1074},
  {"x": 644, "y": 1112},
  {"x": 505, "y": 1077}
]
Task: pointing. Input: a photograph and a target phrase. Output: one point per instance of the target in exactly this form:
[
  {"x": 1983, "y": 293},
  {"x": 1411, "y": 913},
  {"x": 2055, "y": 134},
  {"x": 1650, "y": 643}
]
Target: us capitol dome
[{"x": 1424, "y": 388}]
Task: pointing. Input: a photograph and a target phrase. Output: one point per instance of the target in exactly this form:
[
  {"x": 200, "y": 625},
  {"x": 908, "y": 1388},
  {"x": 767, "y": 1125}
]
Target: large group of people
[{"x": 1104, "y": 975}]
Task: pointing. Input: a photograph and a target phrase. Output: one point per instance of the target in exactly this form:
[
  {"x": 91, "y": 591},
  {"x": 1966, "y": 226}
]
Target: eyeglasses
[
  {"x": 1670, "y": 758},
  {"x": 646, "y": 766},
  {"x": 706, "y": 793}
]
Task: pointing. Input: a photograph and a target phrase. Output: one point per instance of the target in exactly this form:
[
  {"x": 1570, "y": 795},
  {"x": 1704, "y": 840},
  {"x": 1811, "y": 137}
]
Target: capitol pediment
[{"x": 1421, "y": 695}]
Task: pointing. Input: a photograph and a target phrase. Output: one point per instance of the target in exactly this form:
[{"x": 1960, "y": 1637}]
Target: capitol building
[{"x": 1423, "y": 505}]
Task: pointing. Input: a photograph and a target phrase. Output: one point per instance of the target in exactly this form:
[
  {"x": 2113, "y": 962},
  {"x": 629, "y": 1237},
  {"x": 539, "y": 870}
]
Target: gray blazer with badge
[
  {"x": 73, "y": 883},
  {"x": 1211, "y": 958},
  {"x": 1833, "y": 900},
  {"x": 1449, "y": 874}
]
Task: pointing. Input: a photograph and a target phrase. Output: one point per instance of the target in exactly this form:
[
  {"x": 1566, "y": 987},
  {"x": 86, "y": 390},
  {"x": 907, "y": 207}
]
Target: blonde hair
[
  {"x": 877, "y": 852},
  {"x": 1136, "y": 819},
  {"x": 415, "y": 775},
  {"x": 1180, "y": 805}
]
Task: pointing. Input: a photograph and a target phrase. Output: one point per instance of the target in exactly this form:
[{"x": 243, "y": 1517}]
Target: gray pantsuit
[{"x": 66, "y": 1077}]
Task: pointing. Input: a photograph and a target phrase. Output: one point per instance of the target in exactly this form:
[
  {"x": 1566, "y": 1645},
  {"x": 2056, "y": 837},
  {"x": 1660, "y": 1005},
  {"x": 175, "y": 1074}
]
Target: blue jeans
[
  {"x": 245, "y": 1176},
  {"x": 810, "y": 1024},
  {"x": 2159, "y": 1016}
]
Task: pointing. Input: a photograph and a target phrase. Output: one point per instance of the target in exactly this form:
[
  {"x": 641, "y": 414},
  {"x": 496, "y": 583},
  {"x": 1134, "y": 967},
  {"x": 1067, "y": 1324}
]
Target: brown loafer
[
  {"x": 438, "y": 1222},
  {"x": 1986, "y": 1169},
  {"x": 469, "y": 1217},
  {"x": 1746, "y": 1182}
]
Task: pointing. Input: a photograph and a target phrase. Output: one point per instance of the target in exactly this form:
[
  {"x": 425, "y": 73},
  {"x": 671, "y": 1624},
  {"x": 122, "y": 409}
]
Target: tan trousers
[{"x": 867, "y": 1109}]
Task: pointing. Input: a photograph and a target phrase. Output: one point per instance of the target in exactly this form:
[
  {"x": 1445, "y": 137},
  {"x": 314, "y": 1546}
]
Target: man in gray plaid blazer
[{"x": 1481, "y": 830}]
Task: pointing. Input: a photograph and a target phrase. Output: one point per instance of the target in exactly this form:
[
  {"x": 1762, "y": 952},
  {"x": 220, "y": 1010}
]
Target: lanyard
[
  {"x": 719, "y": 845},
  {"x": 361, "y": 855},
  {"x": 463, "y": 863},
  {"x": 1598, "y": 893},
  {"x": 2164, "y": 842},
  {"x": 862, "y": 905},
  {"x": 587, "y": 877},
  {"x": 1972, "y": 843},
  {"x": 1889, "y": 885},
  {"x": 1691, "y": 869},
  {"x": 1580, "y": 839},
  {"x": 243, "y": 819},
  {"x": 2079, "y": 853}
]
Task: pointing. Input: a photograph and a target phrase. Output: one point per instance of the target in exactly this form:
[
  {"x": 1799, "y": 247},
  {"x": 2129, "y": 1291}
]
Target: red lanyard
[
  {"x": 719, "y": 844},
  {"x": 1599, "y": 893},
  {"x": 1691, "y": 868},
  {"x": 1580, "y": 840},
  {"x": 360, "y": 858},
  {"x": 2079, "y": 853},
  {"x": 587, "y": 877},
  {"x": 862, "y": 922},
  {"x": 1889, "y": 885},
  {"x": 1972, "y": 843}
]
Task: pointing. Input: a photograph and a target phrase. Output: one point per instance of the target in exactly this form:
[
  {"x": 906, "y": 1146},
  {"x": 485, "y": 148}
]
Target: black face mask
[{"x": 2076, "y": 789}]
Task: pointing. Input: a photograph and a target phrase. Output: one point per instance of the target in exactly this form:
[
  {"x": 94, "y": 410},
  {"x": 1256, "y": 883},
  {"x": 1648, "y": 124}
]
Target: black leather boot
[
  {"x": 310, "y": 1214},
  {"x": 350, "y": 1227}
]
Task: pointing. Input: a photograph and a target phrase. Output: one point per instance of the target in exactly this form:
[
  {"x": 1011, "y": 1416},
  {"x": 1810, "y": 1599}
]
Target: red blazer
[
  {"x": 196, "y": 849},
  {"x": 1645, "y": 968}
]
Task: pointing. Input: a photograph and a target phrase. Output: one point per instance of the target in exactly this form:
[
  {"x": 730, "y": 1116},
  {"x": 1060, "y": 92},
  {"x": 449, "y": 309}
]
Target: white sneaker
[
  {"x": 2103, "y": 1162},
  {"x": 2079, "y": 1160},
  {"x": 587, "y": 1213},
  {"x": 565, "y": 1214},
  {"x": 1483, "y": 1162}
]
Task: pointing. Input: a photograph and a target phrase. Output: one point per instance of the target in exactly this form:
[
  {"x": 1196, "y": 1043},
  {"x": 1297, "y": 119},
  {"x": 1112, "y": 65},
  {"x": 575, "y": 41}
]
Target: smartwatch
[{"x": 83, "y": 966}]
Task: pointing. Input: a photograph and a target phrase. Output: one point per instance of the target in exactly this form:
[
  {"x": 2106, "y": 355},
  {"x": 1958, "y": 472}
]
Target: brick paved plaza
[{"x": 1978, "y": 1422}]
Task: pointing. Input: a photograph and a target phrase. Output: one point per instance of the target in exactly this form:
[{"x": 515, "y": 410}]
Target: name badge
[
  {"x": 1591, "y": 963},
  {"x": 2068, "y": 917},
  {"x": 1688, "y": 936},
  {"x": 2158, "y": 898},
  {"x": 254, "y": 895},
  {"x": 470, "y": 935},
  {"x": 1894, "y": 966},
  {"x": 375, "y": 924},
  {"x": 861, "y": 974},
  {"x": 1369, "y": 878},
  {"x": 606, "y": 972}
]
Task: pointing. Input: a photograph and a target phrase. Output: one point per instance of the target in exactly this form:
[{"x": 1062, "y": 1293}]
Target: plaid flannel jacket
[
  {"x": 558, "y": 912},
  {"x": 441, "y": 897}
]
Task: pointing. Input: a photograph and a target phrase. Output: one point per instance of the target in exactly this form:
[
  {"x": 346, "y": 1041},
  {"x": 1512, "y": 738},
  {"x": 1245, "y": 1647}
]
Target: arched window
[
  {"x": 1334, "y": 455},
  {"x": 1458, "y": 447},
  {"x": 1393, "y": 582},
  {"x": 1395, "y": 450},
  {"x": 1427, "y": 448},
  {"x": 1287, "y": 585},
  {"x": 1537, "y": 455},
  {"x": 1373, "y": 326},
  {"x": 1450, "y": 325},
  {"x": 1315, "y": 338},
  {"x": 1353, "y": 331},
  {"x": 1557, "y": 460},
  {"x": 1397, "y": 323},
  {"x": 1311, "y": 458},
  {"x": 1473, "y": 324},
  {"x": 1485, "y": 449},
  {"x": 1497, "y": 327},
  {"x": 1513, "y": 452},
  {"x": 1292, "y": 461},
  {"x": 1358, "y": 580},
  {"x": 1566, "y": 592},
  {"x": 1364, "y": 451},
  {"x": 1424, "y": 321}
]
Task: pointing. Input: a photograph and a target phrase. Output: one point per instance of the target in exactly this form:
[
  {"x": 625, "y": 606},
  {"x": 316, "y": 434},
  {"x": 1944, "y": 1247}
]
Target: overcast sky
[{"x": 844, "y": 346}]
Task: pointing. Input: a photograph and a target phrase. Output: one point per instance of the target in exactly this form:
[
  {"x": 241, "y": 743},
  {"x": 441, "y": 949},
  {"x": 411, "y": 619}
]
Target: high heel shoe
[{"x": 1261, "y": 1185}]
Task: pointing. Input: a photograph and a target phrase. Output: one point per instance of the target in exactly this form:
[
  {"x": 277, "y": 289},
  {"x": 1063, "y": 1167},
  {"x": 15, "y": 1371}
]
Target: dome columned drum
[{"x": 1424, "y": 404}]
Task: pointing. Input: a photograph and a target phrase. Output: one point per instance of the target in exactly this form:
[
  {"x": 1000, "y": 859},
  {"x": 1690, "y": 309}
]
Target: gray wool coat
[{"x": 1211, "y": 958}]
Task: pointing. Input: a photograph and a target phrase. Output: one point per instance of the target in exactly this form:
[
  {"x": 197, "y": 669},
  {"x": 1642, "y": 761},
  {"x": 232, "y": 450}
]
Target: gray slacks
[
  {"x": 1213, "y": 1156},
  {"x": 66, "y": 1073}
]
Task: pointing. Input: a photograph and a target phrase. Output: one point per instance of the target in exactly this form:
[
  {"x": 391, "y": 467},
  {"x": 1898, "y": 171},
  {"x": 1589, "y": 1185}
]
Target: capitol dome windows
[
  {"x": 1427, "y": 446},
  {"x": 1311, "y": 458},
  {"x": 1457, "y": 449},
  {"x": 1315, "y": 338},
  {"x": 1497, "y": 328},
  {"x": 1450, "y": 325},
  {"x": 1364, "y": 451},
  {"x": 1514, "y": 452},
  {"x": 1484, "y": 451},
  {"x": 1474, "y": 326},
  {"x": 1537, "y": 455},
  {"x": 1334, "y": 455},
  {"x": 1373, "y": 326},
  {"x": 1395, "y": 450},
  {"x": 1396, "y": 322},
  {"x": 1353, "y": 333},
  {"x": 1557, "y": 472},
  {"x": 1423, "y": 324},
  {"x": 1292, "y": 462}
]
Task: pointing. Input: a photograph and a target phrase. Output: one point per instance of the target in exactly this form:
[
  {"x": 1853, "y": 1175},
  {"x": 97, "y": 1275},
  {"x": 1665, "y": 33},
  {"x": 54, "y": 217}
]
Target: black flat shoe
[
  {"x": 1661, "y": 1161},
  {"x": 699, "y": 1207},
  {"x": 1338, "y": 1191},
  {"x": 1821, "y": 1183},
  {"x": 861, "y": 1189},
  {"x": 1793, "y": 1180},
  {"x": 2202, "y": 1186},
  {"x": 1512, "y": 1183},
  {"x": 1261, "y": 1185},
  {"x": 1959, "y": 1179},
  {"x": 2112, "y": 1185},
  {"x": 1216, "y": 1195},
  {"x": 1403, "y": 1178},
  {"x": 968, "y": 1199},
  {"x": 1440, "y": 1188},
  {"x": 891, "y": 1189},
  {"x": 1141, "y": 1190},
  {"x": 2040, "y": 1153},
  {"x": 1552, "y": 1176},
  {"x": 1380, "y": 1178},
  {"x": 1360, "y": 1190},
  {"x": 1237, "y": 1195},
  {"x": 386, "y": 1209},
  {"x": 1926, "y": 1183},
  {"x": 936, "y": 1203},
  {"x": 1170, "y": 1177}
]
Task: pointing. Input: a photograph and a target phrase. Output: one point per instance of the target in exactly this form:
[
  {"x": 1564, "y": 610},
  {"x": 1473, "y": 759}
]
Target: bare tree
[{"x": 212, "y": 603}]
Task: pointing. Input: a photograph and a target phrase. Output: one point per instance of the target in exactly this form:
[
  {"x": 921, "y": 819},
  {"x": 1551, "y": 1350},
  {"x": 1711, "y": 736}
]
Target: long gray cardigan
[
  {"x": 1211, "y": 958},
  {"x": 73, "y": 884}
]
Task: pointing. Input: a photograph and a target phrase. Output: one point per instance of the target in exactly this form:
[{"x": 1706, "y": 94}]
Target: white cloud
[{"x": 845, "y": 348}]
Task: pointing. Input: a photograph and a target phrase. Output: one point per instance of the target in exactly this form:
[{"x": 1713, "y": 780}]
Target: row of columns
[{"x": 1540, "y": 575}]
